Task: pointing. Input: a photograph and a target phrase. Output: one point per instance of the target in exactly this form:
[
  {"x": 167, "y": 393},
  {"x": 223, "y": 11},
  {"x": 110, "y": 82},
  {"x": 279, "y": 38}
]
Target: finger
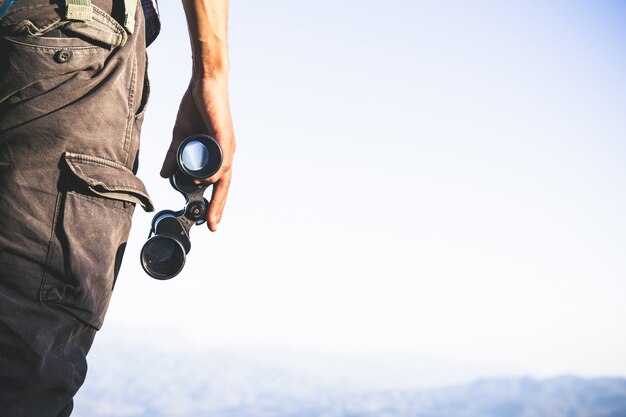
[
  {"x": 215, "y": 178},
  {"x": 225, "y": 166},
  {"x": 169, "y": 164},
  {"x": 218, "y": 201},
  {"x": 228, "y": 150}
]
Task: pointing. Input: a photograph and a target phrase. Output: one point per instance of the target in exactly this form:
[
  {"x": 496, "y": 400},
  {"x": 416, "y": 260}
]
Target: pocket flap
[{"x": 109, "y": 179}]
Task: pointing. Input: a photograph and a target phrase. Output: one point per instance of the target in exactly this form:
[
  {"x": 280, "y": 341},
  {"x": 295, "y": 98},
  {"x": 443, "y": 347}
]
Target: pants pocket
[
  {"x": 96, "y": 201},
  {"x": 42, "y": 20},
  {"x": 33, "y": 62}
]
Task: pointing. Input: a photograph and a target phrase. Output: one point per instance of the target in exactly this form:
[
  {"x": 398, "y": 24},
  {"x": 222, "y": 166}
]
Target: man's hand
[{"x": 205, "y": 107}]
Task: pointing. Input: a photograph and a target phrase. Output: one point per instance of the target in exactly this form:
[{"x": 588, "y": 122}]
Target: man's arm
[{"x": 205, "y": 107}]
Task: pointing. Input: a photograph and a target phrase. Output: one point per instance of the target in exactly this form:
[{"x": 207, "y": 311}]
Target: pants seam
[
  {"x": 131, "y": 110},
  {"x": 51, "y": 251}
]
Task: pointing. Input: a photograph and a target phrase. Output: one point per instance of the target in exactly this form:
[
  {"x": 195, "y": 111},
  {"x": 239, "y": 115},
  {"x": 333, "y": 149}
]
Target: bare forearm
[{"x": 207, "y": 21}]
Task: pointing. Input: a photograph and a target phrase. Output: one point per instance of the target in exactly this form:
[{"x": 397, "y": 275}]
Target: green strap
[
  {"x": 78, "y": 10},
  {"x": 130, "y": 6},
  {"x": 83, "y": 11}
]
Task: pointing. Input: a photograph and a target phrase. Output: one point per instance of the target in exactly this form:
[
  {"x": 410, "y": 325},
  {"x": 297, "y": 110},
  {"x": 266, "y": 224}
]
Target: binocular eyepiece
[{"x": 163, "y": 255}]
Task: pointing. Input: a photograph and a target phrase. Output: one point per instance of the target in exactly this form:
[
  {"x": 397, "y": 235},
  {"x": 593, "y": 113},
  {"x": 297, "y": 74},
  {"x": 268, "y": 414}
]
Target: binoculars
[{"x": 163, "y": 255}]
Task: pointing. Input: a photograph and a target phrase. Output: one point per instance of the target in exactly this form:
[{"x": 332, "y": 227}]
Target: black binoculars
[{"x": 163, "y": 255}]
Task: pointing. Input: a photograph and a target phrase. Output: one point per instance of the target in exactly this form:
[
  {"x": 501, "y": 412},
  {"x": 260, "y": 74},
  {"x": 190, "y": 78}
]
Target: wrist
[{"x": 210, "y": 68}]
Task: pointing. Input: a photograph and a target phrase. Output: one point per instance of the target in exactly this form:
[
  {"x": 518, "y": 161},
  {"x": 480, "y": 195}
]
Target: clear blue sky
[{"x": 434, "y": 177}]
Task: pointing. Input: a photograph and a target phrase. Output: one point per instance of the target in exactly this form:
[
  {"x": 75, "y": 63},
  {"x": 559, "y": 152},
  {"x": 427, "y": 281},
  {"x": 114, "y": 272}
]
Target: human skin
[{"x": 205, "y": 106}]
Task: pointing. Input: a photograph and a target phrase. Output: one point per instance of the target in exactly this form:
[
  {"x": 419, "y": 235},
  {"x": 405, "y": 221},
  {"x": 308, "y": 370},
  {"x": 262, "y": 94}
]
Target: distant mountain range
[{"x": 142, "y": 382}]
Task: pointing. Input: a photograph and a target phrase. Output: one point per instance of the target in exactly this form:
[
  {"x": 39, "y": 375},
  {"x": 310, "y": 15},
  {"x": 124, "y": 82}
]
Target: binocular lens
[
  {"x": 195, "y": 156},
  {"x": 199, "y": 156},
  {"x": 163, "y": 257}
]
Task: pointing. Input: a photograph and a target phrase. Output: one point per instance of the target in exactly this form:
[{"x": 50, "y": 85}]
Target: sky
[{"x": 436, "y": 178}]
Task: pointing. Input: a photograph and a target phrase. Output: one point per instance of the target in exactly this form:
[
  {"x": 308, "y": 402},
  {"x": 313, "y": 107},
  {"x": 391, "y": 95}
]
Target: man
[{"x": 72, "y": 96}]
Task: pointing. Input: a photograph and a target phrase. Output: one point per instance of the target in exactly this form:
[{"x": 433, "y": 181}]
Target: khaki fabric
[{"x": 72, "y": 98}]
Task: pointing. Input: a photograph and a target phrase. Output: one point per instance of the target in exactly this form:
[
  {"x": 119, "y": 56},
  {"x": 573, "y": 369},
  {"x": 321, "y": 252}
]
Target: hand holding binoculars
[{"x": 163, "y": 255}]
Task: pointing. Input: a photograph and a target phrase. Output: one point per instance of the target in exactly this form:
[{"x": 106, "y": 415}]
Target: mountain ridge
[{"x": 144, "y": 381}]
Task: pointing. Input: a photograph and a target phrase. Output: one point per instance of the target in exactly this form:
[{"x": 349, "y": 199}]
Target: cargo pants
[{"x": 72, "y": 97}]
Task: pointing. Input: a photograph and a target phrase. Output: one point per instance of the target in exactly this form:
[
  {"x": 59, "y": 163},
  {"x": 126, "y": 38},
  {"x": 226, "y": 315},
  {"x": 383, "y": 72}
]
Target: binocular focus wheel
[{"x": 163, "y": 257}]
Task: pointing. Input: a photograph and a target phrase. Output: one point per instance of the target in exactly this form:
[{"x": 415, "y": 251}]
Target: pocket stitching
[
  {"x": 14, "y": 40},
  {"x": 96, "y": 160},
  {"x": 114, "y": 23}
]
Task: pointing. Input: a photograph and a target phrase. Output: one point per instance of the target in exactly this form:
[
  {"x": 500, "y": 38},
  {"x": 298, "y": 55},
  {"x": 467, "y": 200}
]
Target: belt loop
[
  {"x": 78, "y": 10},
  {"x": 130, "y": 6}
]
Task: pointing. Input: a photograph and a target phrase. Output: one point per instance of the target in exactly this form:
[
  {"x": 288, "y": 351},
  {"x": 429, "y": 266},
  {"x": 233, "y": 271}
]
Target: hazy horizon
[{"x": 130, "y": 377}]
